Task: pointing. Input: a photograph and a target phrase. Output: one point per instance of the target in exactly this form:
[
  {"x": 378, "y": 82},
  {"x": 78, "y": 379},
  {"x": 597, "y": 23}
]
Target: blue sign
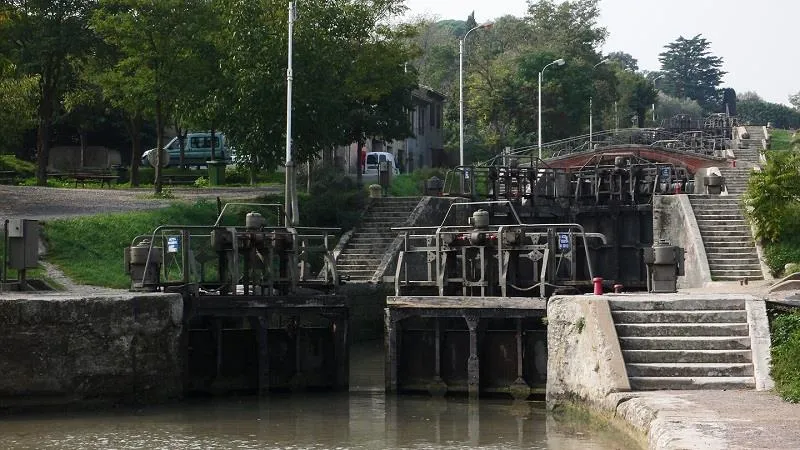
[
  {"x": 665, "y": 173},
  {"x": 173, "y": 244},
  {"x": 563, "y": 241}
]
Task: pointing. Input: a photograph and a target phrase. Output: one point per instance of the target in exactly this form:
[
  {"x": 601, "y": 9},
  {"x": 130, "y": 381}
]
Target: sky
[{"x": 754, "y": 39}]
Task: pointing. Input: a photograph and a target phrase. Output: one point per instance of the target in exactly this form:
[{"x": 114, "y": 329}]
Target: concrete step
[
  {"x": 357, "y": 273},
  {"x": 753, "y": 277},
  {"x": 714, "y": 216},
  {"x": 705, "y": 316},
  {"x": 722, "y": 226},
  {"x": 357, "y": 239},
  {"x": 677, "y": 304},
  {"x": 733, "y": 265},
  {"x": 682, "y": 329},
  {"x": 722, "y": 253},
  {"x": 688, "y": 356},
  {"x": 731, "y": 234},
  {"x": 690, "y": 369},
  {"x": 720, "y": 244},
  {"x": 685, "y": 343},
  {"x": 685, "y": 383},
  {"x": 740, "y": 273}
]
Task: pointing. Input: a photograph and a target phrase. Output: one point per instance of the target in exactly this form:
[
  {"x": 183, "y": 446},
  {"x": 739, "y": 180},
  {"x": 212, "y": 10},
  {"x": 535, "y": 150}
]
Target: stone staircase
[
  {"x": 685, "y": 343},
  {"x": 750, "y": 153},
  {"x": 736, "y": 179},
  {"x": 727, "y": 238},
  {"x": 361, "y": 255}
]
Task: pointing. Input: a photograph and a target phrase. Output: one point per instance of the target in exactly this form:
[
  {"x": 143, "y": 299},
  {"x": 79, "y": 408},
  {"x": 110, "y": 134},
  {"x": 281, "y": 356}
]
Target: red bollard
[
  {"x": 734, "y": 163},
  {"x": 598, "y": 285}
]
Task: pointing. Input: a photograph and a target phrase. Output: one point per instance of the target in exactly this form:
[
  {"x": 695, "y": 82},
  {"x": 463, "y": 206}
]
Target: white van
[{"x": 373, "y": 160}]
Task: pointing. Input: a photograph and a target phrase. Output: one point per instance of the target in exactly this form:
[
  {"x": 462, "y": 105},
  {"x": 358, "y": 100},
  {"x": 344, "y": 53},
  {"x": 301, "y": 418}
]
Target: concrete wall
[
  {"x": 674, "y": 221},
  {"x": 584, "y": 359},
  {"x": 56, "y": 349}
]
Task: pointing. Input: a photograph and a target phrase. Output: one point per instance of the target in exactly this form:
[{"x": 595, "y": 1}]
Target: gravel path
[{"x": 40, "y": 203}]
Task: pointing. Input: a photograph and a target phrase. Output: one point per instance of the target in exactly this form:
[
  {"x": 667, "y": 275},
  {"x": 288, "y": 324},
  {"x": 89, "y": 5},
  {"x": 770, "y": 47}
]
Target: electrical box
[{"x": 23, "y": 244}]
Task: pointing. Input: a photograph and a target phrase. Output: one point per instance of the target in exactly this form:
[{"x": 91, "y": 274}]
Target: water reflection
[
  {"x": 363, "y": 419},
  {"x": 356, "y": 421}
]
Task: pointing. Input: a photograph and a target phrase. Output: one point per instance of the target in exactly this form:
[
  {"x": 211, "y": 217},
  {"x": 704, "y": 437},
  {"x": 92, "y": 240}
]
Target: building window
[
  {"x": 421, "y": 117},
  {"x": 439, "y": 116}
]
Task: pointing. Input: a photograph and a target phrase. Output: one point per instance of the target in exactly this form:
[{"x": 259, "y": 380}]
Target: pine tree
[{"x": 692, "y": 71}]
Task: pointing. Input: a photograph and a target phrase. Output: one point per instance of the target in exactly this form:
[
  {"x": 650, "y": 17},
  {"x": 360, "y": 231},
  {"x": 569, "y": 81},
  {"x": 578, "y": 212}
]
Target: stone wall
[
  {"x": 674, "y": 221},
  {"x": 584, "y": 359},
  {"x": 57, "y": 349}
]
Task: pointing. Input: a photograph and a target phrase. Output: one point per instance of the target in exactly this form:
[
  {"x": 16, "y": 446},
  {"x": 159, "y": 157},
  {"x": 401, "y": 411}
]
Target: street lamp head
[
  {"x": 602, "y": 62},
  {"x": 559, "y": 62}
]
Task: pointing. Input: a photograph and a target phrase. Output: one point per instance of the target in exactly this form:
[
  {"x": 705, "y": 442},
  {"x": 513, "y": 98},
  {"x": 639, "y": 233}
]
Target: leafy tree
[
  {"x": 667, "y": 107},
  {"x": 794, "y": 99},
  {"x": 625, "y": 60},
  {"x": 692, "y": 71},
  {"x": 153, "y": 40},
  {"x": 749, "y": 95},
  {"x": 568, "y": 29},
  {"x": 18, "y": 99},
  {"x": 728, "y": 101},
  {"x": 759, "y": 112},
  {"x": 47, "y": 38},
  {"x": 348, "y": 65}
]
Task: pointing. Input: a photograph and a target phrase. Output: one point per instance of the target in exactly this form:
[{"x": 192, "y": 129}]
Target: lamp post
[
  {"x": 461, "y": 90},
  {"x": 590, "y": 104},
  {"x": 560, "y": 62},
  {"x": 291, "y": 208},
  {"x": 654, "y": 105}
]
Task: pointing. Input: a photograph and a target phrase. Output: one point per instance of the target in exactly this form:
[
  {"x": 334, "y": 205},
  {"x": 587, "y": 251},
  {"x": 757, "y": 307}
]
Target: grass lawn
[{"x": 780, "y": 139}]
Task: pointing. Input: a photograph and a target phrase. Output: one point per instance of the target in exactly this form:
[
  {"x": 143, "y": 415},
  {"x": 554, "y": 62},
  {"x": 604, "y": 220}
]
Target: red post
[
  {"x": 598, "y": 285},
  {"x": 734, "y": 163}
]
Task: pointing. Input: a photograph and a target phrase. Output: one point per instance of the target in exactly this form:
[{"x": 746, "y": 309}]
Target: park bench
[
  {"x": 103, "y": 176},
  {"x": 178, "y": 179}
]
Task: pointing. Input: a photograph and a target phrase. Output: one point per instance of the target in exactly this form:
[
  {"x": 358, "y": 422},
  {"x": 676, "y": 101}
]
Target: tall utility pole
[
  {"x": 560, "y": 62},
  {"x": 590, "y": 103},
  {"x": 291, "y": 207}
]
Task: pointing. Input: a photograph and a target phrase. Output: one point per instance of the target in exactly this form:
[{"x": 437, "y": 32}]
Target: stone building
[{"x": 425, "y": 148}]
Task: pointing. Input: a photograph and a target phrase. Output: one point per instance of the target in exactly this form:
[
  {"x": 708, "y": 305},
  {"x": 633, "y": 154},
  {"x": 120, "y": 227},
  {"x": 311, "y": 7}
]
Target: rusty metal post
[
  {"x": 391, "y": 350},
  {"x": 473, "y": 364}
]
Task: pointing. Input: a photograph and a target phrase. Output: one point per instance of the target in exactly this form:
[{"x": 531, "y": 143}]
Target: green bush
[
  {"x": 786, "y": 356},
  {"x": 772, "y": 197},
  {"x": 778, "y": 254},
  {"x": 201, "y": 182},
  {"x": 334, "y": 201},
  {"x": 413, "y": 184}
]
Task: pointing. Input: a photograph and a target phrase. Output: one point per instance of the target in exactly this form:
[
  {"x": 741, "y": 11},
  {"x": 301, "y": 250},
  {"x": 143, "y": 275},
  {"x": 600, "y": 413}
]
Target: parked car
[
  {"x": 373, "y": 159},
  {"x": 196, "y": 150}
]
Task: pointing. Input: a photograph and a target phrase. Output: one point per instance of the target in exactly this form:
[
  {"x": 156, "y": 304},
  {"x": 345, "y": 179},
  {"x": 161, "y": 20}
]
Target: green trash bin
[{"x": 216, "y": 172}]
